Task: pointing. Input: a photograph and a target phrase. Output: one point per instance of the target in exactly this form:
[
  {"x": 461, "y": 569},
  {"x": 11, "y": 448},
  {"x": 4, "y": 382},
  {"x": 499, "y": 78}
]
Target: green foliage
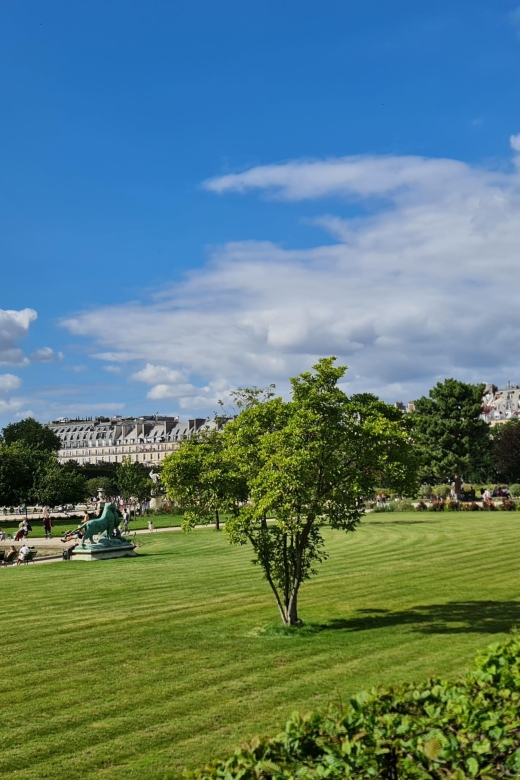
[
  {"x": 17, "y": 469},
  {"x": 133, "y": 481},
  {"x": 390, "y": 507},
  {"x": 507, "y": 506},
  {"x": 441, "y": 491},
  {"x": 202, "y": 479},
  {"x": 33, "y": 434},
  {"x": 437, "y": 729},
  {"x": 55, "y": 484},
  {"x": 506, "y": 450},
  {"x": 436, "y": 506},
  {"x": 514, "y": 489},
  {"x": 454, "y": 506},
  {"x": 309, "y": 462},
  {"x": 425, "y": 491},
  {"x": 94, "y": 484},
  {"x": 448, "y": 430}
]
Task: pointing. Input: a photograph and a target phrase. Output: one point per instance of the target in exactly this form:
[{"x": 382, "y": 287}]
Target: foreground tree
[
  {"x": 448, "y": 430},
  {"x": 304, "y": 464},
  {"x": 33, "y": 434}
]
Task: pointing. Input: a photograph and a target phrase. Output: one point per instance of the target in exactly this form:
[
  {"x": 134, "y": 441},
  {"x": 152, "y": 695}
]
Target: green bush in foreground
[{"x": 437, "y": 730}]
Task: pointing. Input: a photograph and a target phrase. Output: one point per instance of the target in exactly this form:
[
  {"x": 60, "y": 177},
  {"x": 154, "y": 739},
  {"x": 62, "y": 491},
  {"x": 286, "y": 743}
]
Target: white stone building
[
  {"x": 146, "y": 439},
  {"x": 500, "y": 404}
]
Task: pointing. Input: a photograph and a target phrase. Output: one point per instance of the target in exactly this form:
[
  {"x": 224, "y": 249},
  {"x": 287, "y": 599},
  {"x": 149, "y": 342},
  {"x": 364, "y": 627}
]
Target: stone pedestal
[{"x": 103, "y": 549}]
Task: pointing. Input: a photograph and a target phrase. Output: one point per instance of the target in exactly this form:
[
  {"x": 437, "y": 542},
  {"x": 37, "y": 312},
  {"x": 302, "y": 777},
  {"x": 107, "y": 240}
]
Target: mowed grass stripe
[{"x": 138, "y": 668}]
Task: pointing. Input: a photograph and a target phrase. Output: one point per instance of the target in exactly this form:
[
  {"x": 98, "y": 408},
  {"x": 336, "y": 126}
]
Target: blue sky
[{"x": 200, "y": 195}]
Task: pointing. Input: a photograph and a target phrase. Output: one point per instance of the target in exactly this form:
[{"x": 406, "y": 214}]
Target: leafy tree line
[
  {"x": 282, "y": 470},
  {"x": 30, "y": 471}
]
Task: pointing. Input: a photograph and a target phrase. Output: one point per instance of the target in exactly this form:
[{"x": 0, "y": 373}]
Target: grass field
[{"x": 136, "y": 668}]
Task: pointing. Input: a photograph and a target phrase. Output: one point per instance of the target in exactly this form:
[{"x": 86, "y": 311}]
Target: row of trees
[
  {"x": 30, "y": 471},
  {"x": 454, "y": 444},
  {"x": 282, "y": 470}
]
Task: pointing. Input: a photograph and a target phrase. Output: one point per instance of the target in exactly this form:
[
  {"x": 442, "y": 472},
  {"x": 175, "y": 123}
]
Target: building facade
[
  {"x": 144, "y": 439},
  {"x": 500, "y": 404}
]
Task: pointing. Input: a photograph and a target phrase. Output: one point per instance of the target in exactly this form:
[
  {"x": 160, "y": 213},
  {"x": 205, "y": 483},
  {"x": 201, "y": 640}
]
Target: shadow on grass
[{"x": 455, "y": 617}]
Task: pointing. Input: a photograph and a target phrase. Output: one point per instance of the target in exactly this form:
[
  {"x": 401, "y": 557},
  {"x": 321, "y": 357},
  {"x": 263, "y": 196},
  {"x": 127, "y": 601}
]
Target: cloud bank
[
  {"x": 422, "y": 287},
  {"x": 14, "y": 325}
]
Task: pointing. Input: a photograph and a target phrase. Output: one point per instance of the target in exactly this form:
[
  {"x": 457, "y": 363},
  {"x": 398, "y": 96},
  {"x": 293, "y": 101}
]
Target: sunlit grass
[{"x": 135, "y": 668}]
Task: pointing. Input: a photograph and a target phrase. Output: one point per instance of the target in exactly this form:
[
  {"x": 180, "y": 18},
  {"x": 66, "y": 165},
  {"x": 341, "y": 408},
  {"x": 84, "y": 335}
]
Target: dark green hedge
[{"x": 439, "y": 729}]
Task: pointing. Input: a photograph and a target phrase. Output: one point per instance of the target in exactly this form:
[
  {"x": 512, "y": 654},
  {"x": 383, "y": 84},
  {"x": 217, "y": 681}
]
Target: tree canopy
[
  {"x": 33, "y": 434},
  {"x": 303, "y": 464},
  {"x": 506, "y": 450},
  {"x": 202, "y": 479},
  {"x": 448, "y": 430},
  {"x": 133, "y": 481}
]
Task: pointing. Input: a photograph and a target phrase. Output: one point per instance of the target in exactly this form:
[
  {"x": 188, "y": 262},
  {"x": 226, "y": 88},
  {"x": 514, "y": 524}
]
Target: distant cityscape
[{"x": 149, "y": 438}]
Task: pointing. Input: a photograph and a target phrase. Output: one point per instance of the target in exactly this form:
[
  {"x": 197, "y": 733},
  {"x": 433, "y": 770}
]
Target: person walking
[{"x": 47, "y": 523}]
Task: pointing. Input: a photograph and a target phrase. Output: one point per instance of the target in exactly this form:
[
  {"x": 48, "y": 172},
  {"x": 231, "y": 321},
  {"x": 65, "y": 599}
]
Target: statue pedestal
[{"x": 103, "y": 549}]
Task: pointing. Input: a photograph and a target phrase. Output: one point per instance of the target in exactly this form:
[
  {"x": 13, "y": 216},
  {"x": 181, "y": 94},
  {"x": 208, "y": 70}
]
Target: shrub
[
  {"x": 437, "y": 506},
  {"x": 421, "y": 506},
  {"x": 471, "y": 507},
  {"x": 515, "y": 490},
  {"x": 453, "y": 506},
  {"x": 507, "y": 505},
  {"x": 391, "y": 507},
  {"x": 442, "y": 491},
  {"x": 437, "y": 729},
  {"x": 404, "y": 506},
  {"x": 488, "y": 506},
  {"x": 425, "y": 491}
]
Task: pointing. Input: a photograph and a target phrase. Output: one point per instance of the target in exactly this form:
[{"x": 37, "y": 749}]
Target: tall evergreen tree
[{"x": 449, "y": 431}]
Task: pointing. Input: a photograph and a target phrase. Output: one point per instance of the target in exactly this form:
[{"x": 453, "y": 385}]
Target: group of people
[{"x": 15, "y": 556}]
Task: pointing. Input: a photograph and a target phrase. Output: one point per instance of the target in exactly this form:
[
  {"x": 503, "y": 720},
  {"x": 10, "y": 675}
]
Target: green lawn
[{"x": 136, "y": 668}]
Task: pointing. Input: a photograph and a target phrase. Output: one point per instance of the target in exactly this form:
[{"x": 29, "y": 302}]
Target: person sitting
[
  {"x": 23, "y": 553},
  {"x": 2, "y": 535},
  {"x": 10, "y": 555}
]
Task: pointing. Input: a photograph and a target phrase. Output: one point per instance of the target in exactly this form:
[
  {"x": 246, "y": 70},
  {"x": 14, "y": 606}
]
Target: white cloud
[
  {"x": 152, "y": 374},
  {"x": 43, "y": 355},
  {"x": 171, "y": 384},
  {"x": 10, "y": 406},
  {"x": 112, "y": 369},
  {"x": 514, "y": 140},
  {"x": 14, "y": 325},
  {"x": 360, "y": 176},
  {"x": 422, "y": 288},
  {"x": 9, "y": 382}
]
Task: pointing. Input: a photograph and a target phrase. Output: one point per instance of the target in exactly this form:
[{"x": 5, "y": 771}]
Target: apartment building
[{"x": 146, "y": 439}]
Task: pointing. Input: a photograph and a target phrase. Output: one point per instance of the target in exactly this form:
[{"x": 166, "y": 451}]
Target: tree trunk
[
  {"x": 458, "y": 484},
  {"x": 217, "y": 520}
]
